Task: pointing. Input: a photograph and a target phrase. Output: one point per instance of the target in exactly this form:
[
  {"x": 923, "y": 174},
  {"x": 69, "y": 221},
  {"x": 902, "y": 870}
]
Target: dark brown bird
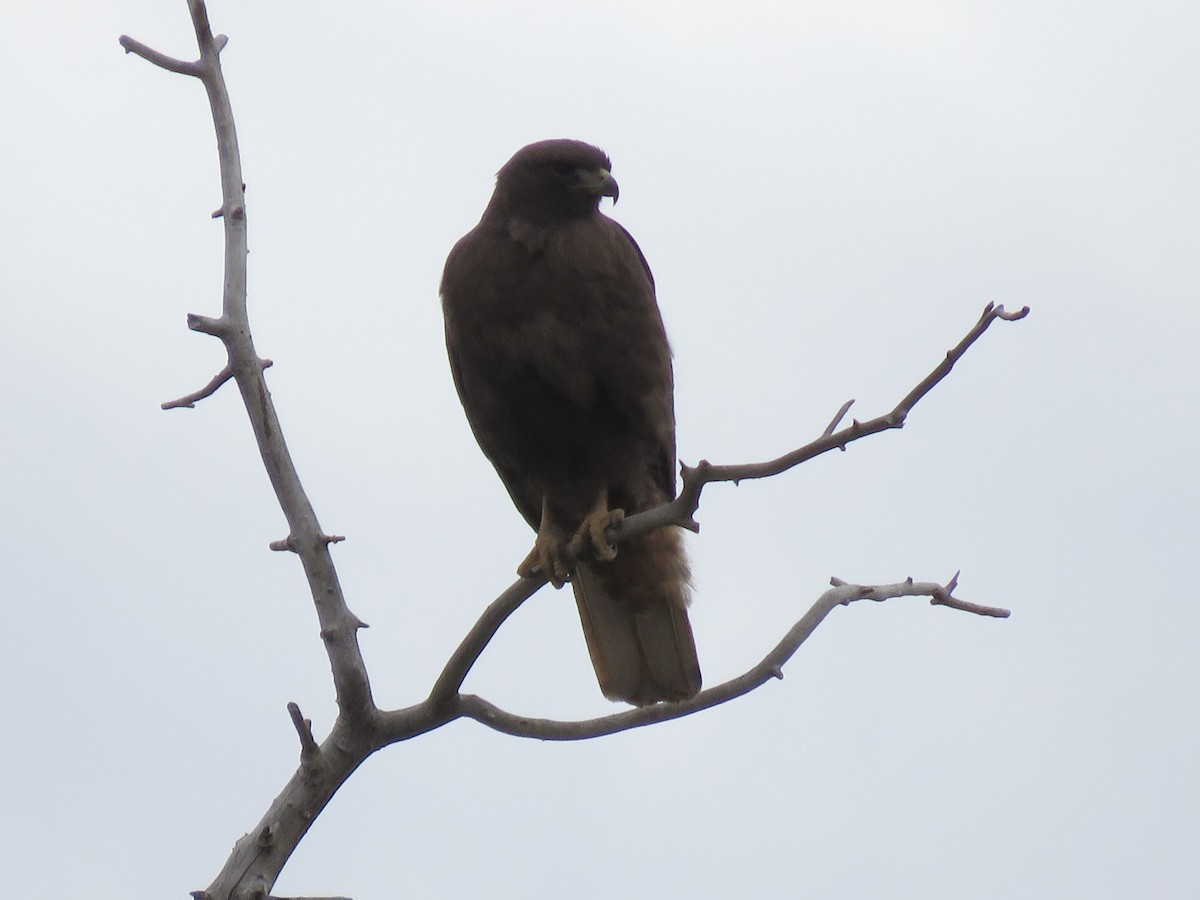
[{"x": 561, "y": 361}]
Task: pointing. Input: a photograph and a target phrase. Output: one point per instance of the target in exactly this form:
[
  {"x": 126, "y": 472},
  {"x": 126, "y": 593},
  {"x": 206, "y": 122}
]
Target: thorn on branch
[
  {"x": 331, "y": 635},
  {"x": 266, "y": 837},
  {"x": 291, "y": 545},
  {"x": 217, "y": 213},
  {"x": 239, "y": 213},
  {"x": 777, "y": 672}
]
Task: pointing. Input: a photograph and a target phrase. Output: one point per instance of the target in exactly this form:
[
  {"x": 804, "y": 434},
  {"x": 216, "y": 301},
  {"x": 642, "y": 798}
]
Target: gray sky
[{"x": 828, "y": 195}]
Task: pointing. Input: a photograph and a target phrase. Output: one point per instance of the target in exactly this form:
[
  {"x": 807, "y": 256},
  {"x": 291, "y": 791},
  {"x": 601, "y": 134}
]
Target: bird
[{"x": 560, "y": 358}]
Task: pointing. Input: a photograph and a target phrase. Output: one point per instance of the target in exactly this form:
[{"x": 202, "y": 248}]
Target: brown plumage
[{"x": 559, "y": 355}]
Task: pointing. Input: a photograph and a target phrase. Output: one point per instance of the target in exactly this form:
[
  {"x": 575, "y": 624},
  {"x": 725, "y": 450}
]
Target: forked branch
[{"x": 361, "y": 728}]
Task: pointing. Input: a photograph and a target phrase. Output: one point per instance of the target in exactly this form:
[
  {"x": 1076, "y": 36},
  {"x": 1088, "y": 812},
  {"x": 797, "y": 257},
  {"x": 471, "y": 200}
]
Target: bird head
[{"x": 558, "y": 178}]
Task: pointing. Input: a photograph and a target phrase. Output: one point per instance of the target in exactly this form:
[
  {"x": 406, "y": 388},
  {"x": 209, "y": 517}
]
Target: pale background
[{"x": 828, "y": 194}]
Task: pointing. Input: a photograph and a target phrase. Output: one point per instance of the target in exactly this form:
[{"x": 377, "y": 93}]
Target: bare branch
[
  {"x": 939, "y": 595},
  {"x": 303, "y": 729},
  {"x": 991, "y": 313},
  {"x": 218, "y": 328},
  {"x": 251, "y": 869},
  {"x": 455, "y": 671},
  {"x": 179, "y": 66},
  {"x": 841, "y": 414},
  {"x": 310, "y": 752},
  {"x": 190, "y": 400},
  {"x": 306, "y": 537},
  {"x": 770, "y": 667},
  {"x": 682, "y": 510}
]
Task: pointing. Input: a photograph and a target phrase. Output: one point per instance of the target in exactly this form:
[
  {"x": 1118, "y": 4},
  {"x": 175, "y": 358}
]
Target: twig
[
  {"x": 161, "y": 60},
  {"x": 189, "y": 401},
  {"x": 841, "y": 414},
  {"x": 303, "y": 726}
]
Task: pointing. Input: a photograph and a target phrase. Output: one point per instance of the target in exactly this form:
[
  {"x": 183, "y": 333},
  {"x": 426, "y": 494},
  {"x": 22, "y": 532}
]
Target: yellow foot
[
  {"x": 590, "y": 538},
  {"x": 548, "y": 555}
]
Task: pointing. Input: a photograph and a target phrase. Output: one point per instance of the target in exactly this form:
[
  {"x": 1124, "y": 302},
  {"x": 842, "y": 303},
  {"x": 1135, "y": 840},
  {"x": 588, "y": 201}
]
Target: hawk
[{"x": 559, "y": 355}]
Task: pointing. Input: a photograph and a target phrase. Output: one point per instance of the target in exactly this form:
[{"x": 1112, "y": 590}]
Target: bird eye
[{"x": 563, "y": 170}]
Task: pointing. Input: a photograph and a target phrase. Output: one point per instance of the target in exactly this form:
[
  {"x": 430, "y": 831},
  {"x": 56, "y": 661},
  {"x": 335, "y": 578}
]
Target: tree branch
[
  {"x": 682, "y": 510},
  {"x": 257, "y": 860},
  {"x": 455, "y": 672},
  {"x": 770, "y": 667},
  {"x": 338, "y": 625},
  {"x": 189, "y": 401},
  {"x": 161, "y": 60}
]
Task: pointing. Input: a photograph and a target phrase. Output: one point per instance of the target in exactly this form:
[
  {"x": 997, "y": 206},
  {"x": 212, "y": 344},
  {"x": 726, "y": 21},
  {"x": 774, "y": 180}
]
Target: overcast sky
[{"x": 828, "y": 194}]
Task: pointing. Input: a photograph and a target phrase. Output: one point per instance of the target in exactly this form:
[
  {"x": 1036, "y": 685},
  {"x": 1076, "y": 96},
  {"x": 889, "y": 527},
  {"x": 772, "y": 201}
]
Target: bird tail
[{"x": 634, "y": 614}]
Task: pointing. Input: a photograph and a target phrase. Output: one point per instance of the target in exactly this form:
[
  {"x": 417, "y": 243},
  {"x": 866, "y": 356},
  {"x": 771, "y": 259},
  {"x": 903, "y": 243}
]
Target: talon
[
  {"x": 590, "y": 538},
  {"x": 547, "y": 555}
]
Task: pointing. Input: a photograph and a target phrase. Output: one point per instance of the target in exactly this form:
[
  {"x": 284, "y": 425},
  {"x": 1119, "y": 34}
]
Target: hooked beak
[{"x": 599, "y": 182}]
